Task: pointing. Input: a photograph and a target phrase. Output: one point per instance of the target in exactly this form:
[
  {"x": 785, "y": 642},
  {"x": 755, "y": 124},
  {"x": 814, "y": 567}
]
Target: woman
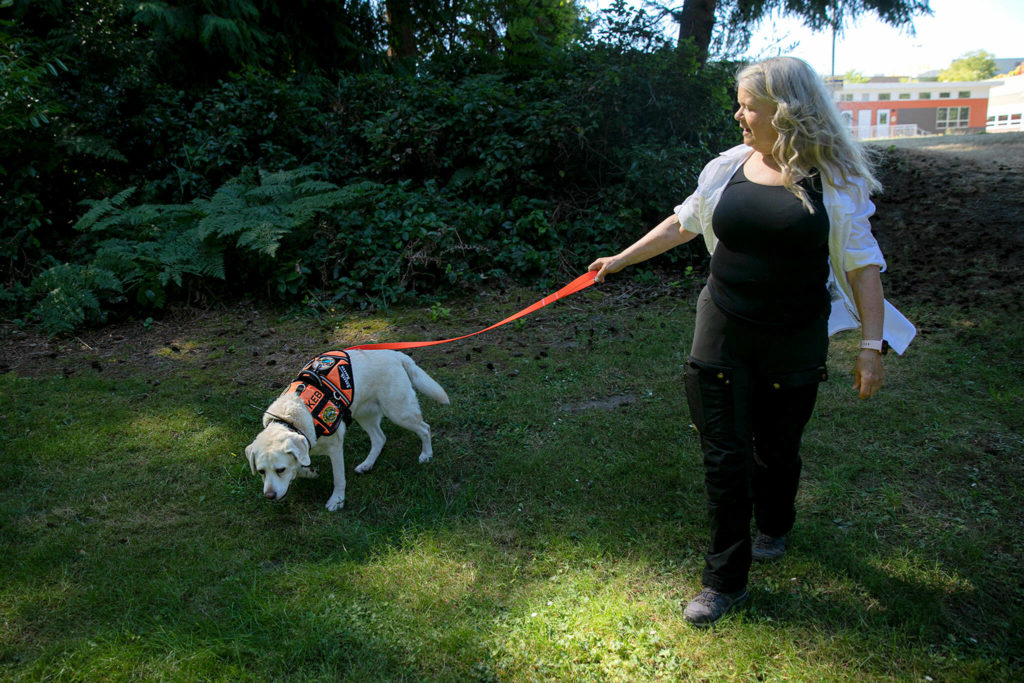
[{"x": 785, "y": 218}]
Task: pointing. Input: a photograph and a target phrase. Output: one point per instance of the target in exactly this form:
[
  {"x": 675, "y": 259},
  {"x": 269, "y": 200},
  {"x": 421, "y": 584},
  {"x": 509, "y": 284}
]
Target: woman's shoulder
[
  {"x": 740, "y": 151},
  {"x": 724, "y": 164}
]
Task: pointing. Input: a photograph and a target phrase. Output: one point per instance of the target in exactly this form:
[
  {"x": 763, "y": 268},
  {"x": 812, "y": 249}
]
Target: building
[
  {"x": 1007, "y": 67},
  {"x": 1006, "y": 105},
  {"x": 883, "y": 108}
]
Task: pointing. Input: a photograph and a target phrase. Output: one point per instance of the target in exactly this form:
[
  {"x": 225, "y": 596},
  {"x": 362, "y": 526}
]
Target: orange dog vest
[{"x": 325, "y": 386}]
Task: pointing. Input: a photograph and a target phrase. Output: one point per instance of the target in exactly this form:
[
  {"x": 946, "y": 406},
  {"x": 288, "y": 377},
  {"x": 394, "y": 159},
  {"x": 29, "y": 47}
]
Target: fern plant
[
  {"x": 231, "y": 26},
  {"x": 73, "y": 294},
  {"x": 149, "y": 251},
  {"x": 257, "y": 209}
]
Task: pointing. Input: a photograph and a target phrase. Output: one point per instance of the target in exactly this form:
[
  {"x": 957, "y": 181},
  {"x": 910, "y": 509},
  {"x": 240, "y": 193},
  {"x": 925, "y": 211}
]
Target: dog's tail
[{"x": 423, "y": 382}]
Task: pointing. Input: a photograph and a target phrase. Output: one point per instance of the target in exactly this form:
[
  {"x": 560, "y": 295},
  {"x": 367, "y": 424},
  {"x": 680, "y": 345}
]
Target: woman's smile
[{"x": 755, "y": 118}]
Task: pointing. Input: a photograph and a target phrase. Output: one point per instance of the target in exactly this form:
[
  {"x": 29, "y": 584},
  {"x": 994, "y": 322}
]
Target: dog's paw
[
  {"x": 335, "y": 502},
  {"x": 364, "y": 467},
  {"x": 308, "y": 473},
  {"x": 425, "y": 458}
]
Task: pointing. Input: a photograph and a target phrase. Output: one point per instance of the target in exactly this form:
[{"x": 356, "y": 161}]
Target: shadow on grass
[{"x": 540, "y": 541}]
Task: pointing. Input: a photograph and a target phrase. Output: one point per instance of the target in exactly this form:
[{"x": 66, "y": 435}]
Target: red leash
[{"x": 580, "y": 283}]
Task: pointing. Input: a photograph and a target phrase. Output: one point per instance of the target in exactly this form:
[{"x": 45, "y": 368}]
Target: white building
[
  {"x": 1006, "y": 105},
  {"x": 884, "y": 108}
]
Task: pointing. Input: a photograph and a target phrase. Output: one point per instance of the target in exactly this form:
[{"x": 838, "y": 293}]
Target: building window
[
  {"x": 964, "y": 94},
  {"x": 904, "y": 96},
  {"x": 1015, "y": 117},
  {"x": 883, "y": 118},
  {"x": 943, "y": 95},
  {"x": 866, "y": 97},
  {"x": 846, "y": 97},
  {"x": 952, "y": 117},
  {"x": 884, "y": 97},
  {"x": 924, "y": 95}
]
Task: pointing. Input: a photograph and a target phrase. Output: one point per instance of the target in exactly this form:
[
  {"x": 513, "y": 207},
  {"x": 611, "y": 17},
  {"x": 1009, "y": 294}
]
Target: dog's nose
[{"x": 270, "y": 495}]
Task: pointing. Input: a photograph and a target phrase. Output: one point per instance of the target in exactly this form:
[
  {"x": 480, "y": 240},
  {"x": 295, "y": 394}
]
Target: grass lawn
[{"x": 554, "y": 535}]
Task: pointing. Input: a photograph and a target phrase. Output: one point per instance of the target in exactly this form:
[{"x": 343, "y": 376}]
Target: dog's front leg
[{"x": 337, "y": 499}]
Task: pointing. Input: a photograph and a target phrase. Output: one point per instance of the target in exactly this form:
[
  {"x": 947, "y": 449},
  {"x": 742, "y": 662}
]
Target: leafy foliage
[
  {"x": 150, "y": 250},
  {"x": 974, "y": 66},
  {"x": 71, "y": 295},
  {"x": 363, "y": 188},
  {"x": 731, "y": 21},
  {"x": 23, "y": 75},
  {"x": 853, "y": 76}
]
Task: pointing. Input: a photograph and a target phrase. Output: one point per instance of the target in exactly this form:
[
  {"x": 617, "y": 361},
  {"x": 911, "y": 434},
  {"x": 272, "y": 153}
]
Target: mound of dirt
[{"x": 951, "y": 220}]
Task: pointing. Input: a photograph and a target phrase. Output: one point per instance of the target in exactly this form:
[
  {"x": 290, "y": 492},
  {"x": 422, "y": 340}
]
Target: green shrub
[
  {"x": 192, "y": 143},
  {"x": 151, "y": 252},
  {"x": 370, "y": 188},
  {"x": 71, "y": 295}
]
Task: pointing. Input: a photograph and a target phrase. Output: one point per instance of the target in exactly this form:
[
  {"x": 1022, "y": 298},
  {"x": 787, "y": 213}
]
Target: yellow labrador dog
[{"x": 313, "y": 413}]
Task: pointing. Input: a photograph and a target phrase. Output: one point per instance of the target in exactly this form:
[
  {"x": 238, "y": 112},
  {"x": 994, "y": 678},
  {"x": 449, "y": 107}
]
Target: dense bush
[{"x": 365, "y": 188}]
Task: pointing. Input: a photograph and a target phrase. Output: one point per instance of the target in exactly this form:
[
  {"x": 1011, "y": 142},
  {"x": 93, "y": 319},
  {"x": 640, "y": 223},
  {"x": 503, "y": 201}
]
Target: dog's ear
[
  {"x": 249, "y": 453},
  {"x": 299, "y": 447}
]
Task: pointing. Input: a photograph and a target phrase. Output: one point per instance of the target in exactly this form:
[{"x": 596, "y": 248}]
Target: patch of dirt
[
  {"x": 610, "y": 403},
  {"x": 261, "y": 350},
  {"x": 950, "y": 222}
]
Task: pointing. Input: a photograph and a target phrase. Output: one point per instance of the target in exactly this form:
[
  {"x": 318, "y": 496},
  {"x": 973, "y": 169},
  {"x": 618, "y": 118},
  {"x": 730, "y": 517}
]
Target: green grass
[{"x": 553, "y": 536}]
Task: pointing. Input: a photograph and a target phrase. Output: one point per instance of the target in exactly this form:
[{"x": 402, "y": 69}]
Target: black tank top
[{"x": 770, "y": 266}]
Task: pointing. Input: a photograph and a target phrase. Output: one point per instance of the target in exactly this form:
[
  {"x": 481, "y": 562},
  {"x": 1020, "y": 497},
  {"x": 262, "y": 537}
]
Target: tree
[
  {"x": 853, "y": 76},
  {"x": 401, "y": 29},
  {"x": 973, "y": 66},
  {"x": 697, "y": 18},
  {"x": 519, "y": 31}
]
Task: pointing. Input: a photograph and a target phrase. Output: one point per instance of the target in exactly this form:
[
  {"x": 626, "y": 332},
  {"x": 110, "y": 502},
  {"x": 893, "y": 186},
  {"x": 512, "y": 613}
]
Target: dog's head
[{"x": 277, "y": 454}]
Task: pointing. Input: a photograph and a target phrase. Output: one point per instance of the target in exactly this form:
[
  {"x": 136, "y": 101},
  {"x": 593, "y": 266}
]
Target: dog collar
[
  {"x": 290, "y": 427},
  {"x": 326, "y": 388}
]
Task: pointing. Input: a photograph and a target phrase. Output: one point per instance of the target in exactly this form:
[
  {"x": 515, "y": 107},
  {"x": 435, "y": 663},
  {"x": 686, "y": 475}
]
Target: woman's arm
[
  {"x": 664, "y": 236},
  {"x": 866, "y": 284}
]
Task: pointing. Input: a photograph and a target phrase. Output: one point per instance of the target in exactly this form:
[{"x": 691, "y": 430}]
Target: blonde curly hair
[{"x": 812, "y": 136}]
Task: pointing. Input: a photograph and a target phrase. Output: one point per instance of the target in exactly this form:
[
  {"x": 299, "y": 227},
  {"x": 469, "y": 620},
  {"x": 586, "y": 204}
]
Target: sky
[{"x": 873, "y": 48}]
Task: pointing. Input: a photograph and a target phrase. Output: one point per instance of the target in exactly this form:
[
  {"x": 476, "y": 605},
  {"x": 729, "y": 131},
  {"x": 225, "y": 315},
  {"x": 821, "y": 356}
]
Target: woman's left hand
[{"x": 868, "y": 373}]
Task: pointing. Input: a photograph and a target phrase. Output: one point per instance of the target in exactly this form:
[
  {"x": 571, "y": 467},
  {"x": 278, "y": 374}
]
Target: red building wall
[{"x": 978, "y": 106}]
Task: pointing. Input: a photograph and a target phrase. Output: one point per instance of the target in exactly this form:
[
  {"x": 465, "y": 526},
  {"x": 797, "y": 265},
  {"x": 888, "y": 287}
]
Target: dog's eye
[
  {"x": 280, "y": 470},
  {"x": 262, "y": 472}
]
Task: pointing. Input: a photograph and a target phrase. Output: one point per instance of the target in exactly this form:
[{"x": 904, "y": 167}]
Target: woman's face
[{"x": 755, "y": 117}]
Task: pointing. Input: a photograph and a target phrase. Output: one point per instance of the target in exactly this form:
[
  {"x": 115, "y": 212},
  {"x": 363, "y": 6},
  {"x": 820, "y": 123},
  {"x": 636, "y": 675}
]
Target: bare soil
[{"x": 950, "y": 222}]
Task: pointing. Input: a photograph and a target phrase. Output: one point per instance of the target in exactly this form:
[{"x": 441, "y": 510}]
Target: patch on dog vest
[{"x": 325, "y": 385}]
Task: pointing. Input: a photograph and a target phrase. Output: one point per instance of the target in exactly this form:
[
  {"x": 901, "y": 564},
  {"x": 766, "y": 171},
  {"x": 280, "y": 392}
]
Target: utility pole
[
  {"x": 833, "y": 50},
  {"x": 837, "y": 14}
]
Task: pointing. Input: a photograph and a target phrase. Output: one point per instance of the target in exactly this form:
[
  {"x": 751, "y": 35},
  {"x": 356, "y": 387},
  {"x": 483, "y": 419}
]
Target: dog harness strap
[{"x": 325, "y": 386}]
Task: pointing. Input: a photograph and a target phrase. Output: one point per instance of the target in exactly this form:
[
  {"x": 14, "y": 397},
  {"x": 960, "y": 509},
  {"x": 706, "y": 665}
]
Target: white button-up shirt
[{"x": 850, "y": 243}]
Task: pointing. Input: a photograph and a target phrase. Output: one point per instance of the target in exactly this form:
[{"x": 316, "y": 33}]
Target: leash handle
[{"x": 580, "y": 283}]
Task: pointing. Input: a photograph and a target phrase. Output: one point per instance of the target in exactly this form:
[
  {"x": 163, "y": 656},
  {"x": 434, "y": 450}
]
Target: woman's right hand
[
  {"x": 606, "y": 265},
  {"x": 660, "y": 239}
]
